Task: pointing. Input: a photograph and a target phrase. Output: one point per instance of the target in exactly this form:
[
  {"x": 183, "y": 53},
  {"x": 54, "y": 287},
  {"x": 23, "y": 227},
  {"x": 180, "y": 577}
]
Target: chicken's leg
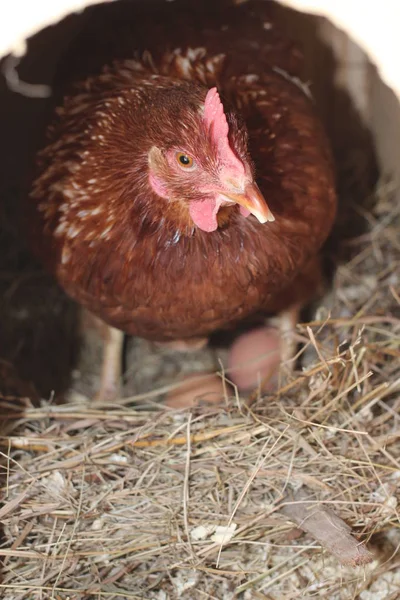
[
  {"x": 111, "y": 369},
  {"x": 286, "y": 322},
  {"x": 111, "y": 341}
]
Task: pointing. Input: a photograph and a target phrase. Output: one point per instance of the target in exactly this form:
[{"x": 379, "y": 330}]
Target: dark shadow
[
  {"x": 37, "y": 321},
  {"x": 352, "y": 143}
]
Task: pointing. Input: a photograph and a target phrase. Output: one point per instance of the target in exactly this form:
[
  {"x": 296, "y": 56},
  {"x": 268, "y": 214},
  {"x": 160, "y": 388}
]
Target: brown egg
[
  {"x": 197, "y": 389},
  {"x": 254, "y": 357}
]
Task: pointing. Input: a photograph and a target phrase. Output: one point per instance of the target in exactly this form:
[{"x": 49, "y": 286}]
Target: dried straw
[{"x": 117, "y": 502}]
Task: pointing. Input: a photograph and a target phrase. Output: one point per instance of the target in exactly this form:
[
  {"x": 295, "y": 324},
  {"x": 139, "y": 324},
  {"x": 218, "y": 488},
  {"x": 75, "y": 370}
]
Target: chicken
[{"x": 186, "y": 183}]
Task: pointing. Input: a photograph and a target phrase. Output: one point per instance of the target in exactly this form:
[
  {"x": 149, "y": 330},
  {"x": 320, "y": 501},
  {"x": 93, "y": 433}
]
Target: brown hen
[{"x": 186, "y": 185}]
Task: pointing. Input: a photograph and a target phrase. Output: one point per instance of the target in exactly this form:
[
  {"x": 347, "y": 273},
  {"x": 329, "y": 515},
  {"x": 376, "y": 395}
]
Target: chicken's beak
[{"x": 253, "y": 200}]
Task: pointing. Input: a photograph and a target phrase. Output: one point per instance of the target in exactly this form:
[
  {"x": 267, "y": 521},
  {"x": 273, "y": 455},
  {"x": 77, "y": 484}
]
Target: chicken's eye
[{"x": 185, "y": 161}]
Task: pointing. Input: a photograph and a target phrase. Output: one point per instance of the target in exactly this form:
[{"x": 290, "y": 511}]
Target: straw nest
[{"x": 126, "y": 502}]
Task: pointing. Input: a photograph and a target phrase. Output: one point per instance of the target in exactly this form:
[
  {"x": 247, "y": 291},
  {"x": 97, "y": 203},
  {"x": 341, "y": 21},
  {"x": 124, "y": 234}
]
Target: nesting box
[{"x": 115, "y": 502}]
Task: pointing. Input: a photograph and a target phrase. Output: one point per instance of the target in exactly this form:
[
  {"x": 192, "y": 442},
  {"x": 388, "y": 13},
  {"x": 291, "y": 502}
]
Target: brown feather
[{"x": 138, "y": 261}]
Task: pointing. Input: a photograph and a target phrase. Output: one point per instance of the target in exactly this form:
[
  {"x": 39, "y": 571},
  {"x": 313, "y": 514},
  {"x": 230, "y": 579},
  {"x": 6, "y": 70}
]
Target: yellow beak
[{"x": 253, "y": 200}]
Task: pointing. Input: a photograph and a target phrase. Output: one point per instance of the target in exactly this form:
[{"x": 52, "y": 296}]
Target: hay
[{"x": 120, "y": 502}]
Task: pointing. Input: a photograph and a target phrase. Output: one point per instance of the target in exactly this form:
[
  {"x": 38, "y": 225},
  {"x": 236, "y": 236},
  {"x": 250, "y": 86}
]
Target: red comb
[{"x": 215, "y": 121}]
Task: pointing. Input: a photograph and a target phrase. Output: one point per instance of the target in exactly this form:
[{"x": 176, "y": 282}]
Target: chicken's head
[{"x": 203, "y": 161}]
